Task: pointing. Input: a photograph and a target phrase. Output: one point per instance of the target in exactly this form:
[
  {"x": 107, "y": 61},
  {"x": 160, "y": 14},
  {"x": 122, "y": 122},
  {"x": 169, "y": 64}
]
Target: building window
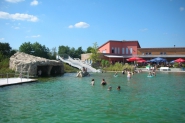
[
  {"x": 126, "y": 50},
  {"x": 147, "y": 53},
  {"x": 130, "y": 50},
  {"x": 104, "y": 51},
  {"x": 162, "y": 53},
  {"x": 112, "y": 49},
  {"x": 115, "y": 49},
  {"x": 123, "y": 51},
  {"x": 118, "y": 50}
]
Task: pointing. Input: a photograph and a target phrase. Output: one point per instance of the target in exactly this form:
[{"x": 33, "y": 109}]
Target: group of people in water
[
  {"x": 129, "y": 74},
  {"x": 103, "y": 82},
  {"x": 152, "y": 73}
]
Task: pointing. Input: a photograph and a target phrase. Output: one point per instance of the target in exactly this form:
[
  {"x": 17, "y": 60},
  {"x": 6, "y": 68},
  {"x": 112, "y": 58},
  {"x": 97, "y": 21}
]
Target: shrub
[
  {"x": 176, "y": 65},
  {"x": 119, "y": 67}
]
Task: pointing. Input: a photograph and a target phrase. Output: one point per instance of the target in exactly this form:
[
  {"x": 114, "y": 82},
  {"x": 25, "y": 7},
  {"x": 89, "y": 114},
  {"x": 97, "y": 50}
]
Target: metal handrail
[{"x": 20, "y": 75}]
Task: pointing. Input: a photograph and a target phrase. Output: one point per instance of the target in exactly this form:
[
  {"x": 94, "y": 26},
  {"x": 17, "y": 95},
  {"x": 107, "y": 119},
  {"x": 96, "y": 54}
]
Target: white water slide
[{"x": 77, "y": 63}]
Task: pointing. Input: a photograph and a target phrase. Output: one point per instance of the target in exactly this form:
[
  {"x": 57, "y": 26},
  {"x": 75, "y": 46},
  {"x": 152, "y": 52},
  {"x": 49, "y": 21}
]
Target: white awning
[
  {"x": 118, "y": 56},
  {"x": 113, "y": 56}
]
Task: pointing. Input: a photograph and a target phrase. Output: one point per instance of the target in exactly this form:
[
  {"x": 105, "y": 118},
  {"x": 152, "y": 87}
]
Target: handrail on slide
[{"x": 77, "y": 63}]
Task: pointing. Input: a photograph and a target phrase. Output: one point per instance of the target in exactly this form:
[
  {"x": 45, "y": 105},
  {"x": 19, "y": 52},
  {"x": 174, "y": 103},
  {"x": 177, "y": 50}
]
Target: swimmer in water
[
  {"x": 153, "y": 73},
  {"x": 110, "y": 88},
  {"x": 103, "y": 82},
  {"x": 118, "y": 88},
  {"x": 128, "y": 74},
  {"x": 150, "y": 74},
  {"x": 116, "y": 73},
  {"x": 92, "y": 82}
]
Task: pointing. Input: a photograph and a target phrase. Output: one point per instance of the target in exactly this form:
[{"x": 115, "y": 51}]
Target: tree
[
  {"x": 102, "y": 63},
  {"x": 35, "y": 49},
  {"x": 89, "y": 50},
  {"x": 53, "y": 53},
  {"x": 39, "y": 50},
  {"x": 72, "y": 52},
  {"x": 63, "y": 51},
  {"x": 26, "y": 48},
  {"x": 5, "y": 49},
  {"x": 95, "y": 56},
  {"x": 79, "y": 51},
  {"x": 107, "y": 63}
]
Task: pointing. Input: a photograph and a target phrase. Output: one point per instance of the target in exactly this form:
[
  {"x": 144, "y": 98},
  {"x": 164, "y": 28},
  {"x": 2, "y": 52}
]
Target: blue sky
[{"x": 75, "y": 23}]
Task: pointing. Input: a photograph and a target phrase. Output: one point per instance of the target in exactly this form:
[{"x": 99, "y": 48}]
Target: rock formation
[{"x": 21, "y": 62}]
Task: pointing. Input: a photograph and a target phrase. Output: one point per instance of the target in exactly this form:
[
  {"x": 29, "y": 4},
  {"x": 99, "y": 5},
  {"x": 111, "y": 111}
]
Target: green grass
[
  {"x": 4, "y": 66},
  {"x": 69, "y": 69}
]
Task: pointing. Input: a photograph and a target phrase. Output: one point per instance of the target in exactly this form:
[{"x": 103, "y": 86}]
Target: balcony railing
[{"x": 144, "y": 56}]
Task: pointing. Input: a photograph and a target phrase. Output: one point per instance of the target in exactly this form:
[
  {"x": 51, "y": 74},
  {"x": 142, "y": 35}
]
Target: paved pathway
[{"x": 11, "y": 81}]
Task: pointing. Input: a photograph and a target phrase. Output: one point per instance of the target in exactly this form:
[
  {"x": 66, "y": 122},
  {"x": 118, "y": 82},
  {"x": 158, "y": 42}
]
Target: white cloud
[
  {"x": 18, "y": 16},
  {"x": 34, "y": 3},
  {"x": 181, "y": 8},
  {"x": 79, "y": 25},
  {"x": 35, "y": 36},
  {"x": 1, "y": 39},
  {"x": 15, "y": 27},
  {"x": 70, "y": 26},
  {"x": 144, "y": 29},
  {"x": 14, "y": 1}
]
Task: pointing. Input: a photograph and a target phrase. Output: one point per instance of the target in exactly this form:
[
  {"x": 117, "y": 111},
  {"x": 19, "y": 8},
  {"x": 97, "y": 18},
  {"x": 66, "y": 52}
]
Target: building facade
[{"x": 119, "y": 51}]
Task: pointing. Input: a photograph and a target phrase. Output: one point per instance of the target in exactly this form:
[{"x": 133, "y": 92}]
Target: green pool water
[{"x": 68, "y": 99}]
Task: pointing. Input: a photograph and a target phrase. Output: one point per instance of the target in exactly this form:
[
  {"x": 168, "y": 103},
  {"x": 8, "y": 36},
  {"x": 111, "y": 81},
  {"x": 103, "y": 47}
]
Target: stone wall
[{"x": 22, "y": 62}]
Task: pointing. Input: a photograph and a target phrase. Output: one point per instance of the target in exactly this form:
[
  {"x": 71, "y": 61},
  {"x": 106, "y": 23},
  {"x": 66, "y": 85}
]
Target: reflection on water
[{"x": 71, "y": 99}]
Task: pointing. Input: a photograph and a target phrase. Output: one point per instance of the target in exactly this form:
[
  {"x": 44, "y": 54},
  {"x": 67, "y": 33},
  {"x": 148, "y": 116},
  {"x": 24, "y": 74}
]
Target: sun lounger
[{"x": 164, "y": 68}]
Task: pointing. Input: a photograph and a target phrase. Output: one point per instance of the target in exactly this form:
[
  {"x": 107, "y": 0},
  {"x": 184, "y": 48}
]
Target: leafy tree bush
[
  {"x": 119, "y": 67},
  {"x": 95, "y": 56},
  {"x": 35, "y": 49},
  {"x": 4, "y": 66},
  {"x": 107, "y": 63},
  {"x": 176, "y": 65},
  {"x": 89, "y": 50},
  {"x": 103, "y": 63},
  {"x": 64, "y": 51}
]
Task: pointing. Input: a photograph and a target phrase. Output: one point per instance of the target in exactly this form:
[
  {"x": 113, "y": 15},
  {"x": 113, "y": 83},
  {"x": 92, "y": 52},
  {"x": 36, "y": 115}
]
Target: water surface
[{"x": 67, "y": 99}]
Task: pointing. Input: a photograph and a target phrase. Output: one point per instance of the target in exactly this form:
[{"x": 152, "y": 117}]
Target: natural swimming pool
[{"x": 70, "y": 99}]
